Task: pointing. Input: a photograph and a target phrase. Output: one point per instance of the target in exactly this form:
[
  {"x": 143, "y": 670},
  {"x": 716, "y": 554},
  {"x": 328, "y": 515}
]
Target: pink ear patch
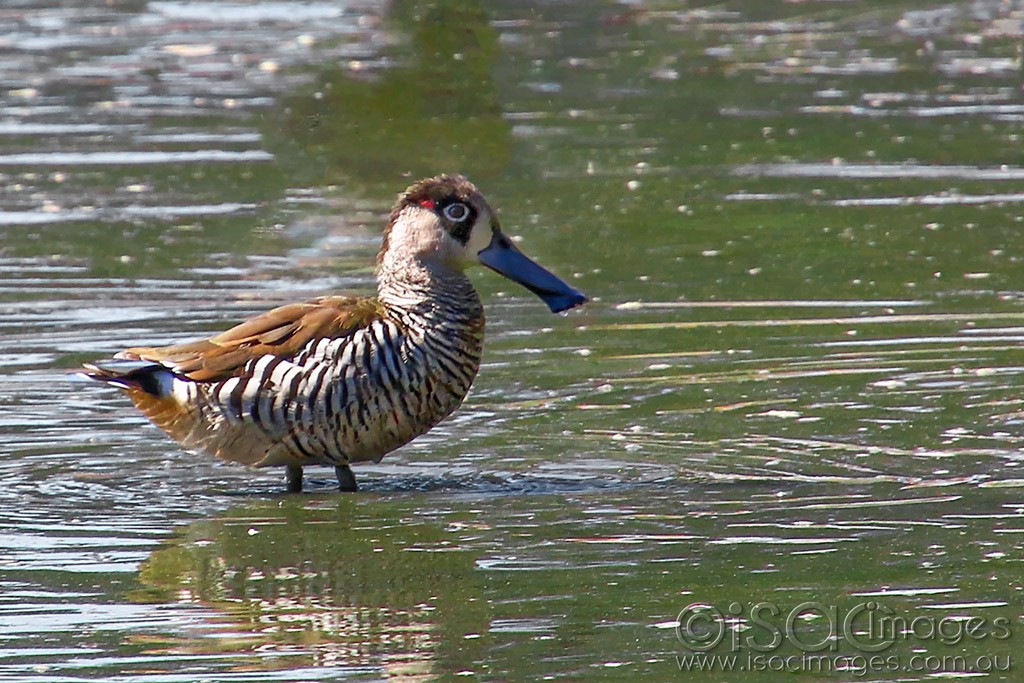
[{"x": 428, "y": 204}]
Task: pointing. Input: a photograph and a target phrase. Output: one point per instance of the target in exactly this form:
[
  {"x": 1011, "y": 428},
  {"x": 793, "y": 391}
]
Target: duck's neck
[{"x": 428, "y": 290}]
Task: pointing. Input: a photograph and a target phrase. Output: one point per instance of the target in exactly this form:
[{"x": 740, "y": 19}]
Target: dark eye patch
[{"x": 458, "y": 227}]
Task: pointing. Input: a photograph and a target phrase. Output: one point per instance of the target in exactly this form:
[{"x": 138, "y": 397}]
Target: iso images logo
[{"x": 857, "y": 639}]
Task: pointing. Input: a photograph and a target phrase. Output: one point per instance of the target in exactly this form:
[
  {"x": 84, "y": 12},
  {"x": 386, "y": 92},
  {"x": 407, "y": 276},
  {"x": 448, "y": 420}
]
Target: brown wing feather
[{"x": 280, "y": 332}]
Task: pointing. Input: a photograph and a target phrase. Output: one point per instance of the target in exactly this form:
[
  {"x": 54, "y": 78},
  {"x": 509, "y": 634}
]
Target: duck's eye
[{"x": 456, "y": 212}]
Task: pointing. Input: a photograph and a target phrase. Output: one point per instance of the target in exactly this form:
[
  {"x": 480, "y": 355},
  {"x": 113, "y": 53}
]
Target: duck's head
[{"x": 445, "y": 222}]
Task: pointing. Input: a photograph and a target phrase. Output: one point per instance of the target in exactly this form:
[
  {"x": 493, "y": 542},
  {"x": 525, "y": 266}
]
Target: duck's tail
[{"x": 152, "y": 378}]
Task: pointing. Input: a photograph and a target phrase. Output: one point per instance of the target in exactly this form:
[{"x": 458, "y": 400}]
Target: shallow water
[{"x": 797, "y": 383}]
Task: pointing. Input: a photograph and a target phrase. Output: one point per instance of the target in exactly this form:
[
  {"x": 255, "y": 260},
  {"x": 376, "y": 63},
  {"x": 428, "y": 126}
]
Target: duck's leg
[
  {"x": 346, "y": 480},
  {"x": 294, "y": 484}
]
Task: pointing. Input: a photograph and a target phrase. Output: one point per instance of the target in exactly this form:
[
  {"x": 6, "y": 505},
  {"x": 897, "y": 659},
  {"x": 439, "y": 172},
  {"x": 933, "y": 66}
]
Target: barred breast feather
[{"x": 332, "y": 381}]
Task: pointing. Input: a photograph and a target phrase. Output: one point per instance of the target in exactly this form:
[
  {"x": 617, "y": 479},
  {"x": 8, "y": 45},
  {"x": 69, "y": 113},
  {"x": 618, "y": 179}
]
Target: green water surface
[{"x": 794, "y": 397}]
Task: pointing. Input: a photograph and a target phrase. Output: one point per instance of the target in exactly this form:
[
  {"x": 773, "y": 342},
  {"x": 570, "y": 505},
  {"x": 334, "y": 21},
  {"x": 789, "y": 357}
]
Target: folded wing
[{"x": 281, "y": 332}]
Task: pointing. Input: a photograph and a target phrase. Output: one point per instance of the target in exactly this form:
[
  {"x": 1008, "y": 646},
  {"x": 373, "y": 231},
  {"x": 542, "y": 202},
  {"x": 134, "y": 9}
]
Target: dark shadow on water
[
  {"x": 582, "y": 477},
  {"x": 497, "y": 483},
  {"x": 484, "y": 483},
  {"x": 493, "y": 483}
]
